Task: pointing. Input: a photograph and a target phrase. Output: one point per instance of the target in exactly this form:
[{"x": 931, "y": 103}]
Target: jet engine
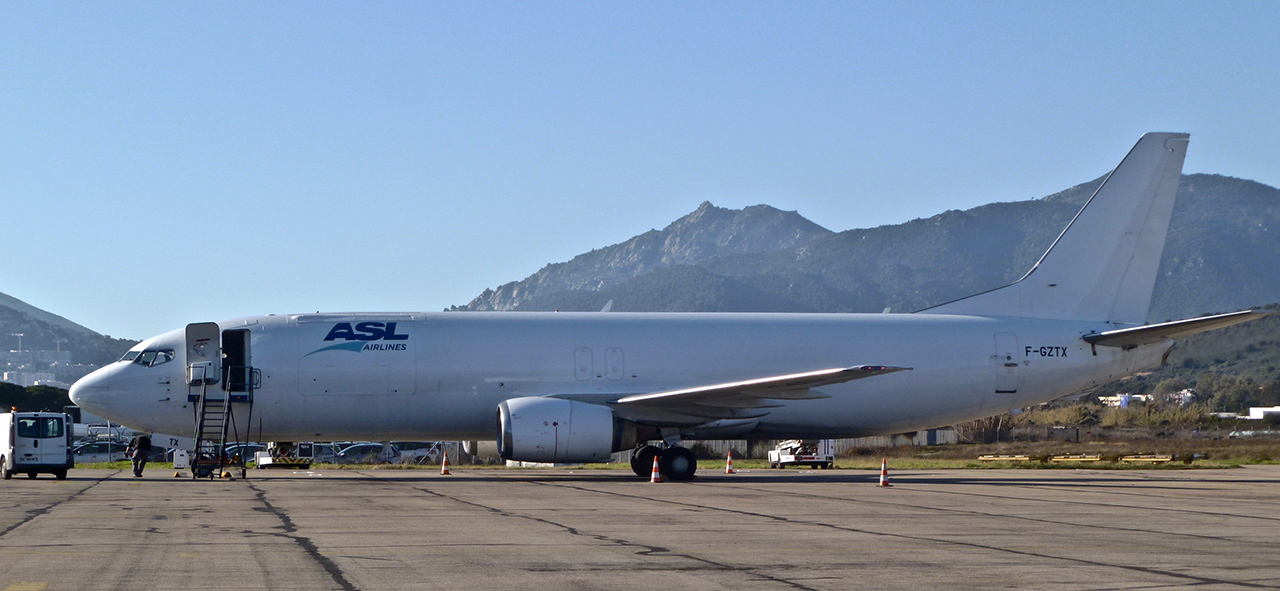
[{"x": 534, "y": 429}]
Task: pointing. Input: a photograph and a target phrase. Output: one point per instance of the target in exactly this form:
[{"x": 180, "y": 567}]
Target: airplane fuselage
[{"x": 416, "y": 376}]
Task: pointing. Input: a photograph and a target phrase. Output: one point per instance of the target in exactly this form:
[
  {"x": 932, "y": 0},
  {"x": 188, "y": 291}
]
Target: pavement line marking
[{"x": 27, "y": 587}]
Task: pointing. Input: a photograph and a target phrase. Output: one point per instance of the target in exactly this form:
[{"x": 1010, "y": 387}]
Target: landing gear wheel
[
  {"x": 677, "y": 463},
  {"x": 642, "y": 460}
]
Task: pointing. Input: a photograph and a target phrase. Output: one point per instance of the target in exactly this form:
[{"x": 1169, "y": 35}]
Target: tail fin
[{"x": 1103, "y": 266}]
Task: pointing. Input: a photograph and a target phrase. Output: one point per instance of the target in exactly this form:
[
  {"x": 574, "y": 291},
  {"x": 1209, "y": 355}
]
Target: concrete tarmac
[{"x": 595, "y": 529}]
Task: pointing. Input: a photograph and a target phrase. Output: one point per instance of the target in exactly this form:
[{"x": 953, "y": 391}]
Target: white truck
[
  {"x": 815, "y": 453},
  {"x": 35, "y": 442}
]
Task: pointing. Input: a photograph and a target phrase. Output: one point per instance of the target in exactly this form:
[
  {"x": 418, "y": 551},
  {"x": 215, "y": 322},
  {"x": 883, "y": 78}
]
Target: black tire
[
  {"x": 642, "y": 461},
  {"x": 31, "y": 475},
  {"x": 60, "y": 474},
  {"x": 677, "y": 463}
]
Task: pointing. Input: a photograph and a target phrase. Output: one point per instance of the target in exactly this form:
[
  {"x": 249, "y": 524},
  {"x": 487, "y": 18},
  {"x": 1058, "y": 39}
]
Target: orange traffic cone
[
  {"x": 444, "y": 465},
  {"x": 728, "y": 466},
  {"x": 656, "y": 477},
  {"x": 884, "y": 472}
]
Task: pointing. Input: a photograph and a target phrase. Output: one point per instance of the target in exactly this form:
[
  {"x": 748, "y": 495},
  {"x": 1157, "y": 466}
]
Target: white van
[{"x": 34, "y": 442}]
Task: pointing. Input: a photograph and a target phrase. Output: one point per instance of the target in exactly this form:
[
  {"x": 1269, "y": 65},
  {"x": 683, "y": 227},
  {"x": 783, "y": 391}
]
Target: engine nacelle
[{"x": 533, "y": 429}]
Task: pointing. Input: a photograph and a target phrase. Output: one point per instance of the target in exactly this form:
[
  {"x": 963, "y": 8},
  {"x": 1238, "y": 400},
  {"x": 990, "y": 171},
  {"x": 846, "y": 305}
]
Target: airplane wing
[
  {"x": 1141, "y": 335},
  {"x": 729, "y": 399}
]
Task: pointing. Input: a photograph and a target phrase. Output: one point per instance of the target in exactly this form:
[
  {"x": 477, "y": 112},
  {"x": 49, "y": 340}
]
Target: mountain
[
  {"x": 17, "y": 305},
  {"x": 42, "y": 331},
  {"x": 708, "y": 232},
  {"x": 1217, "y": 258}
]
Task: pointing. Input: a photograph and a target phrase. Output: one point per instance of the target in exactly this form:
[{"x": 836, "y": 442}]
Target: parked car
[
  {"x": 366, "y": 453},
  {"x": 99, "y": 451},
  {"x": 245, "y": 451},
  {"x": 158, "y": 454},
  {"x": 323, "y": 453},
  {"x": 419, "y": 452}
]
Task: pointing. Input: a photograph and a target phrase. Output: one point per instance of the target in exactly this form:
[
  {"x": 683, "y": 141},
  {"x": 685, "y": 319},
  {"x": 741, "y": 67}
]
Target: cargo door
[
  {"x": 614, "y": 366},
  {"x": 582, "y": 363}
]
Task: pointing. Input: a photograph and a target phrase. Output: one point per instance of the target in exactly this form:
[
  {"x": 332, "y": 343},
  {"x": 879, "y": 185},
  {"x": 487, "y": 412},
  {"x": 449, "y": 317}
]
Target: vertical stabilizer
[{"x": 1103, "y": 266}]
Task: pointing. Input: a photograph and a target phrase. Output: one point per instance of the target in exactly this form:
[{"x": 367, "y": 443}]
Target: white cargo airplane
[{"x": 574, "y": 387}]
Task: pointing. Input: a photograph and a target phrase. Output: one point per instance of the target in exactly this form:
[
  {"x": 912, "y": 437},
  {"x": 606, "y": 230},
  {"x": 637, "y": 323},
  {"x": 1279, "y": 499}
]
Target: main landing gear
[{"x": 674, "y": 463}]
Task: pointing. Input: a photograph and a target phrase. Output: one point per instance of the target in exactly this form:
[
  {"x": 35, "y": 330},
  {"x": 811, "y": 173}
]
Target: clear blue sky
[{"x": 173, "y": 162}]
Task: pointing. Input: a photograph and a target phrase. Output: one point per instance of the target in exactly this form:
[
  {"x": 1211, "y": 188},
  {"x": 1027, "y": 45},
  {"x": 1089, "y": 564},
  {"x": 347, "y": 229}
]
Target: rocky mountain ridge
[{"x": 1221, "y": 239}]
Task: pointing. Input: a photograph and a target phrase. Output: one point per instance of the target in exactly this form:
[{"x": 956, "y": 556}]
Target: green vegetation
[{"x": 31, "y": 399}]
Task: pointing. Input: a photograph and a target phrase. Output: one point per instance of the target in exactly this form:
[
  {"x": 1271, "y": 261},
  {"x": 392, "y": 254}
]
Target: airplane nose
[{"x": 93, "y": 392}]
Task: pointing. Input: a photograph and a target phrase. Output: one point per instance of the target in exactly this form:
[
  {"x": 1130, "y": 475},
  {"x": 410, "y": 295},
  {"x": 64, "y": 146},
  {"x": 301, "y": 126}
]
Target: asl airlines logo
[{"x": 363, "y": 337}]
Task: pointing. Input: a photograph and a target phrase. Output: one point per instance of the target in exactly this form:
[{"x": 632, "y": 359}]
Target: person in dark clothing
[{"x": 139, "y": 448}]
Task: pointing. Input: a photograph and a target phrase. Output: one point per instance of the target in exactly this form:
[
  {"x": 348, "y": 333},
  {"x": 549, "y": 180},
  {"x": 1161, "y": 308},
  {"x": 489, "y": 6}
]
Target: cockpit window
[
  {"x": 152, "y": 357},
  {"x": 131, "y": 355}
]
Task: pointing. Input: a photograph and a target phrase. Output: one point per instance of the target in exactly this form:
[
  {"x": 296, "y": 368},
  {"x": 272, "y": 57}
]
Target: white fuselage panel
[{"x": 423, "y": 376}]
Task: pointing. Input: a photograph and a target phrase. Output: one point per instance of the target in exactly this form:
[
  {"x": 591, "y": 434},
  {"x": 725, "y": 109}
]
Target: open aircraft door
[
  {"x": 237, "y": 366},
  {"x": 216, "y": 356},
  {"x": 204, "y": 351}
]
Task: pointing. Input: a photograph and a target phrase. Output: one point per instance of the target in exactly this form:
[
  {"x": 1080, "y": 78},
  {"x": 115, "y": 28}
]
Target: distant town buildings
[
  {"x": 34, "y": 378},
  {"x": 1180, "y": 398},
  {"x": 28, "y": 357},
  {"x": 1257, "y": 413},
  {"x": 41, "y": 368}
]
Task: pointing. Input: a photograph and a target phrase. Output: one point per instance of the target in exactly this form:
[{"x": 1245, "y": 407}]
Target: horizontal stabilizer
[
  {"x": 785, "y": 387},
  {"x": 1142, "y": 335}
]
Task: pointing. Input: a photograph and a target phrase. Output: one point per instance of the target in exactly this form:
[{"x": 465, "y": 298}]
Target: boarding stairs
[
  {"x": 216, "y": 428},
  {"x": 220, "y": 384},
  {"x": 212, "y": 421}
]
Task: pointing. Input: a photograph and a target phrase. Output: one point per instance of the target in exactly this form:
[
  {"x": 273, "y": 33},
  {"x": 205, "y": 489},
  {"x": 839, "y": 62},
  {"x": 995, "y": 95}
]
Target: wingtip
[{"x": 881, "y": 368}]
